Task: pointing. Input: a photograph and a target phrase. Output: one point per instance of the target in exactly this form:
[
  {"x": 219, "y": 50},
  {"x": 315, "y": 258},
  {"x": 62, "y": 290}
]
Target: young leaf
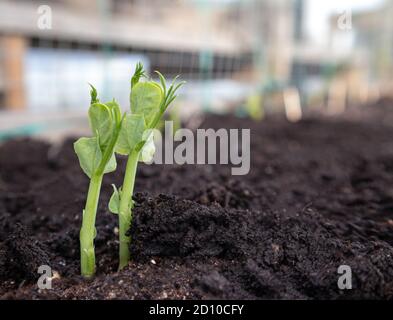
[
  {"x": 111, "y": 165},
  {"x": 131, "y": 133},
  {"x": 114, "y": 202},
  {"x": 93, "y": 95},
  {"x": 139, "y": 72},
  {"x": 100, "y": 118},
  {"x": 146, "y": 99},
  {"x": 89, "y": 154},
  {"x": 168, "y": 96},
  {"x": 148, "y": 150},
  {"x": 115, "y": 110}
]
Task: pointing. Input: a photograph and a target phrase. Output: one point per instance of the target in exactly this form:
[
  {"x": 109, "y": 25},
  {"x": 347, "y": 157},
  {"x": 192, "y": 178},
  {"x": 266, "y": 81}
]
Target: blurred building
[
  {"x": 371, "y": 49},
  {"x": 46, "y": 69},
  {"x": 170, "y": 34},
  {"x": 374, "y": 38}
]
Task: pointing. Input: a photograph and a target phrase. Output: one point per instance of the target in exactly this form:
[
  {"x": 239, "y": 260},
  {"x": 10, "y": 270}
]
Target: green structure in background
[
  {"x": 255, "y": 101},
  {"x": 206, "y": 60},
  {"x": 22, "y": 131}
]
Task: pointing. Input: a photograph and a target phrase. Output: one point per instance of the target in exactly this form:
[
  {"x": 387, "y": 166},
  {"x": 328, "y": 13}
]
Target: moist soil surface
[{"x": 319, "y": 195}]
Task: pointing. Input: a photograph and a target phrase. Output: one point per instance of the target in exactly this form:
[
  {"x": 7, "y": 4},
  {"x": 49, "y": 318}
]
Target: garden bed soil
[{"x": 319, "y": 195}]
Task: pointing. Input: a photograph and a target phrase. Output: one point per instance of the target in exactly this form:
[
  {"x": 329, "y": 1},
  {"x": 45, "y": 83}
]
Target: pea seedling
[
  {"x": 149, "y": 100},
  {"x": 96, "y": 157}
]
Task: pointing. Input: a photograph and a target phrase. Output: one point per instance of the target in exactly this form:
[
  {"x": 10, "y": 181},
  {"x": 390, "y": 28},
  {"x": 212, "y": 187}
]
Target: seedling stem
[
  {"x": 126, "y": 204},
  {"x": 87, "y": 232}
]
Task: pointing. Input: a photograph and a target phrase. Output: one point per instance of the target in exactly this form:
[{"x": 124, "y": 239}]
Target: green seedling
[
  {"x": 173, "y": 116},
  {"x": 149, "y": 100},
  {"x": 96, "y": 157}
]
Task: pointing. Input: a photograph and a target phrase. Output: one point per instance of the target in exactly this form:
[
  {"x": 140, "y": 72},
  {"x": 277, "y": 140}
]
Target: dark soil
[{"x": 319, "y": 195}]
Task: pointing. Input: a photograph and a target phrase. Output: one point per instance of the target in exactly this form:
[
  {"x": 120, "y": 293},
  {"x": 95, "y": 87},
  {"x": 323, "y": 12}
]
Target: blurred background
[{"x": 244, "y": 56}]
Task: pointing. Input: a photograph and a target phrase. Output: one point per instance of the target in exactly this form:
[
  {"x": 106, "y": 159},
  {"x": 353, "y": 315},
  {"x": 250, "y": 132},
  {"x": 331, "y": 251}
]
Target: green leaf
[
  {"x": 169, "y": 94},
  {"x": 89, "y": 154},
  {"x": 100, "y": 117},
  {"x": 149, "y": 148},
  {"x": 131, "y": 133},
  {"x": 93, "y": 95},
  {"x": 114, "y": 202},
  {"x": 111, "y": 165},
  {"x": 146, "y": 99},
  {"x": 115, "y": 110},
  {"x": 139, "y": 72}
]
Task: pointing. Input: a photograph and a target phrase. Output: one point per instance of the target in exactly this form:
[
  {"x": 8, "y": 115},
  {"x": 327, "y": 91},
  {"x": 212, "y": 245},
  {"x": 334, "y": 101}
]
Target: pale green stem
[
  {"x": 125, "y": 212},
  {"x": 87, "y": 232}
]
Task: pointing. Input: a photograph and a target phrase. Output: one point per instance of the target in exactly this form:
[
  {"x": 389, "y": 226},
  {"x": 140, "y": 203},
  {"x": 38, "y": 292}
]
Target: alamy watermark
[
  {"x": 203, "y": 146},
  {"x": 344, "y": 21},
  {"x": 345, "y": 280},
  {"x": 44, "y": 21},
  {"x": 45, "y": 280}
]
